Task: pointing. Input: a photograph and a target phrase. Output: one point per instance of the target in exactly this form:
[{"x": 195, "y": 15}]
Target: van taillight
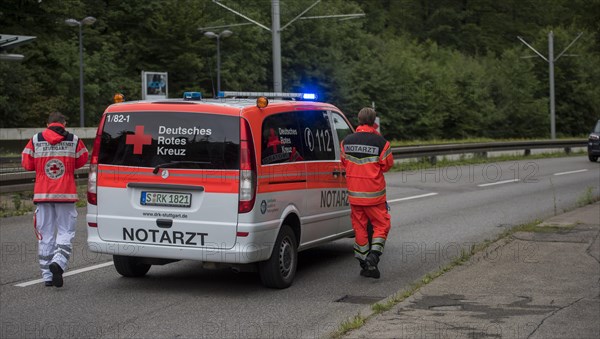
[
  {"x": 92, "y": 196},
  {"x": 247, "y": 169}
]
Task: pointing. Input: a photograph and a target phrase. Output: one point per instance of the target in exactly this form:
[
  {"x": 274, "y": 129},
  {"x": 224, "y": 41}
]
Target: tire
[
  {"x": 593, "y": 158},
  {"x": 130, "y": 267},
  {"x": 280, "y": 269}
]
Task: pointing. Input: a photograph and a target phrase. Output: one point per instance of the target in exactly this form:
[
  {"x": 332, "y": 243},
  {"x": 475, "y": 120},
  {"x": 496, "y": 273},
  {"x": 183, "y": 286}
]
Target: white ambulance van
[{"x": 246, "y": 178}]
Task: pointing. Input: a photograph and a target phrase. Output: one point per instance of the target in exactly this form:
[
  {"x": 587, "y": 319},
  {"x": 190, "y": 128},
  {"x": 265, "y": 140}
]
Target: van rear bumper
[{"x": 255, "y": 247}]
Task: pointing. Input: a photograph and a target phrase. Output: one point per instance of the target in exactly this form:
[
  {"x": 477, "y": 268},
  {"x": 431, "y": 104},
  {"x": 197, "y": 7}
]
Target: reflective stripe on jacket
[
  {"x": 54, "y": 155},
  {"x": 366, "y": 155}
]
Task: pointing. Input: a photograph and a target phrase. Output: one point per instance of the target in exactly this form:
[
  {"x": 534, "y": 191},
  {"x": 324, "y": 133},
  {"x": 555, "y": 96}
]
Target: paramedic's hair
[
  {"x": 56, "y": 117},
  {"x": 366, "y": 116}
]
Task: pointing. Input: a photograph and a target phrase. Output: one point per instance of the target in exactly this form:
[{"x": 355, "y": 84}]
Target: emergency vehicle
[{"x": 244, "y": 178}]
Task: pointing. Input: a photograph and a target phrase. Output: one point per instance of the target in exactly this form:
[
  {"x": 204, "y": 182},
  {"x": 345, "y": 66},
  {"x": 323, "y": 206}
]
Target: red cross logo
[
  {"x": 54, "y": 168},
  {"x": 138, "y": 139},
  {"x": 273, "y": 140}
]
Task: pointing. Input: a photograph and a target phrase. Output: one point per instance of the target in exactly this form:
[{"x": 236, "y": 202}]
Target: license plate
[{"x": 169, "y": 199}]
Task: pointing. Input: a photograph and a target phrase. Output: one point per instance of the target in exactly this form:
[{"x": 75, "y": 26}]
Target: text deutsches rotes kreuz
[{"x": 175, "y": 145}]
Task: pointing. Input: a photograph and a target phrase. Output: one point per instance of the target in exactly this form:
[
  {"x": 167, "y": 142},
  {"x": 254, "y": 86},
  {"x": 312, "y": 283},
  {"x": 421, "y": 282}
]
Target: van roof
[{"x": 217, "y": 105}]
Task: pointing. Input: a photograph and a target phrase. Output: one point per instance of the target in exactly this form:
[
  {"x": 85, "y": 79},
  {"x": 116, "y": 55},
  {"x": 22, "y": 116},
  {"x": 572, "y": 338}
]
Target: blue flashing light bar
[
  {"x": 192, "y": 96},
  {"x": 309, "y": 96},
  {"x": 299, "y": 96}
]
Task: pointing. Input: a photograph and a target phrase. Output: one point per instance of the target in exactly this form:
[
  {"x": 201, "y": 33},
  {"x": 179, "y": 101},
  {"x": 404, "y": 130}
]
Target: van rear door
[{"x": 169, "y": 179}]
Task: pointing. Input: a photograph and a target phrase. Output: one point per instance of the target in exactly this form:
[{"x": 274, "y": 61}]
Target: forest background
[{"x": 433, "y": 68}]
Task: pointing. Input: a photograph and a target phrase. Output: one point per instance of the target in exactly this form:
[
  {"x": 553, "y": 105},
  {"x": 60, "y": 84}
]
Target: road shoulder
[{"x": 529, "y": 285}]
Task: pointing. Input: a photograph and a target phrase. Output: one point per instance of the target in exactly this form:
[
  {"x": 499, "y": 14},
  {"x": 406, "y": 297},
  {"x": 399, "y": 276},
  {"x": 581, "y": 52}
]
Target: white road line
[
  {"x": 499, "y": 182},
  {"x": 571, "y": 172},
  {"x": 413, "y": 197},
  {"x": 68, "y": 273}
]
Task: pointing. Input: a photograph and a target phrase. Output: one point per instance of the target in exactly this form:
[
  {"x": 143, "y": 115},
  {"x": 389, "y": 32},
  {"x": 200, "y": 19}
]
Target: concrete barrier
[
  {"x": 13, "y": 140},
  {"x": 27, "y": 133}
]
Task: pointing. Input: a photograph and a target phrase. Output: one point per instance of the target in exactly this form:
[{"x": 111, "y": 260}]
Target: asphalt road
[{"x": 435, "y": 213}]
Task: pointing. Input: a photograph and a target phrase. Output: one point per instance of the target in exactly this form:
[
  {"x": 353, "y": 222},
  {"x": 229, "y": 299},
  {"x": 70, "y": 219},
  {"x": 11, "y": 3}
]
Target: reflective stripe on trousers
[
  {"x": 56, "y": 223},
  {"x": 361, "y": 252},
  {"x": 379, "y": 217}
]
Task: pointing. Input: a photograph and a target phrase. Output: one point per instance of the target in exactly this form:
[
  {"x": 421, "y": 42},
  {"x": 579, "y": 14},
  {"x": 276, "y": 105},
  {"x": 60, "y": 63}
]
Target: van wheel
[
  {"x": 280, "y": 269},
  {"x": 130, "y": 267},
  {"x": 593, "y": 158}
]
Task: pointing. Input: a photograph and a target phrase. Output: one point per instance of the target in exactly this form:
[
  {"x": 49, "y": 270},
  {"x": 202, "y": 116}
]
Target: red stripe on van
[{"x": 214, "y": 181}]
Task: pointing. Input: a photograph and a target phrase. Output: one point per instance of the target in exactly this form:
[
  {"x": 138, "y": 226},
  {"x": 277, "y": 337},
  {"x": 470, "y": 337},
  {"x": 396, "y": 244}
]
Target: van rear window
[{"x": 185, "y": 140}]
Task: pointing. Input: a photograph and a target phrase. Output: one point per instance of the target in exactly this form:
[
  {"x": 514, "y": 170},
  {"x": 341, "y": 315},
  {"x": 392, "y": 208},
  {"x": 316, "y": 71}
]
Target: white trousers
[{"x": 56, "y": 224}]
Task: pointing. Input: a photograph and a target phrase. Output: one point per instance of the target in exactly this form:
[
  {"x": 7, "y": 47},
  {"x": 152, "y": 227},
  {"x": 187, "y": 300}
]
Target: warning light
[
  {"x": 118, "y": 97},
  {"x": 262, "y": 102},
  {"x": 192, "y": 96},
  {"x": 309, "y": 96},
  {"x": 273, "y": 95}
]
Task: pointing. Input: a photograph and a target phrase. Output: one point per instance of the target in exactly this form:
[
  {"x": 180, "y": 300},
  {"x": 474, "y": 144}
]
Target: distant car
[{"x": 594, "y": 143}]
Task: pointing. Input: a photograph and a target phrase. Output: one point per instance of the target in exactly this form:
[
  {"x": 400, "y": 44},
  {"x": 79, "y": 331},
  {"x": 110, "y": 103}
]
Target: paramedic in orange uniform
[{"x": 366, "y": 155}]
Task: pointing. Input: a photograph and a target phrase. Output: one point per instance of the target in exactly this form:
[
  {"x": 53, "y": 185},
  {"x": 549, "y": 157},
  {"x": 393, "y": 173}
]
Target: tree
[{"x": 433, "y": 69}]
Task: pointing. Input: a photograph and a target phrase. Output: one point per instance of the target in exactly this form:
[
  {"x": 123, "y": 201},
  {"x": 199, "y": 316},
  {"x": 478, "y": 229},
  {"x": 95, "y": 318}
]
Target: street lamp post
[
  {"x": 222, "y": 35},
  {"x": 72, "y": 22}
]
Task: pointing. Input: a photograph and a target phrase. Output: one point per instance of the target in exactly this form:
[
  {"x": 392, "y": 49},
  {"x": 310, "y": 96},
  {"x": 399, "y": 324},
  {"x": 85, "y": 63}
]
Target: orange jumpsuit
[{"x": 366, "y": 155}]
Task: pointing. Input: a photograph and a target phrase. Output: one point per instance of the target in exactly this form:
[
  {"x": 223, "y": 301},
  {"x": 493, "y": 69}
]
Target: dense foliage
[{"x": 433, "y": 68}]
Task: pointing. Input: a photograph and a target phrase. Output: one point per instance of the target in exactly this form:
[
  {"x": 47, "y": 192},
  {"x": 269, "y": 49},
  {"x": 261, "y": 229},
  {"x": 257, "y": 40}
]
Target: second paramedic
[
  {"x": 54, "y": 154},
  {"x": 366, "y": 155}
]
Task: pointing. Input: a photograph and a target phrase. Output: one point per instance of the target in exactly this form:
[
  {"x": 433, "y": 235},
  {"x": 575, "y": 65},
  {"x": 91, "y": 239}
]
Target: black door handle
[
  {"x": 336, "y": 173},
  {"x": 164, "y": 223}
]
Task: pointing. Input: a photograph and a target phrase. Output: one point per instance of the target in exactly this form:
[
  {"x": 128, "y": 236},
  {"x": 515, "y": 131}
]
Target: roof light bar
[
  {"x": 309, "y": 96},
  {"x": 302, "y": 96},
  {"x": 192, "y": 96}
]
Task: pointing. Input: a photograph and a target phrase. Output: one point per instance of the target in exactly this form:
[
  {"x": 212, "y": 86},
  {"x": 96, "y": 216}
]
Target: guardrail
[
  {"x": 482, "y": 149},
  {"x": 22, "y": 181}
]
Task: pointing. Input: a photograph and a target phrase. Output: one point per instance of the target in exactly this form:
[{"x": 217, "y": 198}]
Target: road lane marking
[
  {"x": 499, "y": 182},
  {"x": 571, "y": 172},
  {"x": 73, "y": 272},
  {"x": 413, "y": 197}
]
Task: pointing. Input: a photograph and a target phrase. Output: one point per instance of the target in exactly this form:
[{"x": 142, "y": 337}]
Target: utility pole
[
  {"x": 276, "y": 30},
  {"x": 276, "y": 36},
  {"x": 551, "y": 60}
]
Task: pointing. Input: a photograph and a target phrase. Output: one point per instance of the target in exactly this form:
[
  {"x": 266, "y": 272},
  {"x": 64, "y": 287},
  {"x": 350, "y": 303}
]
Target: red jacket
[
  {"x": 54, "y": 155},
  {"x": 366, "y": 155}
]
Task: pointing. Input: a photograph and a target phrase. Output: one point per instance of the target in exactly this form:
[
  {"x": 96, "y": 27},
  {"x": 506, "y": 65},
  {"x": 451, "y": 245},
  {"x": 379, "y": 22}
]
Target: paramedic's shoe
[
  {"x": 57, "y": 274},
  {"x": 373, "y": 258},
  {"x": 48, "y": 283},
  {"x": 363, "y": 267},
  {"x": 372, "y": 271}
]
